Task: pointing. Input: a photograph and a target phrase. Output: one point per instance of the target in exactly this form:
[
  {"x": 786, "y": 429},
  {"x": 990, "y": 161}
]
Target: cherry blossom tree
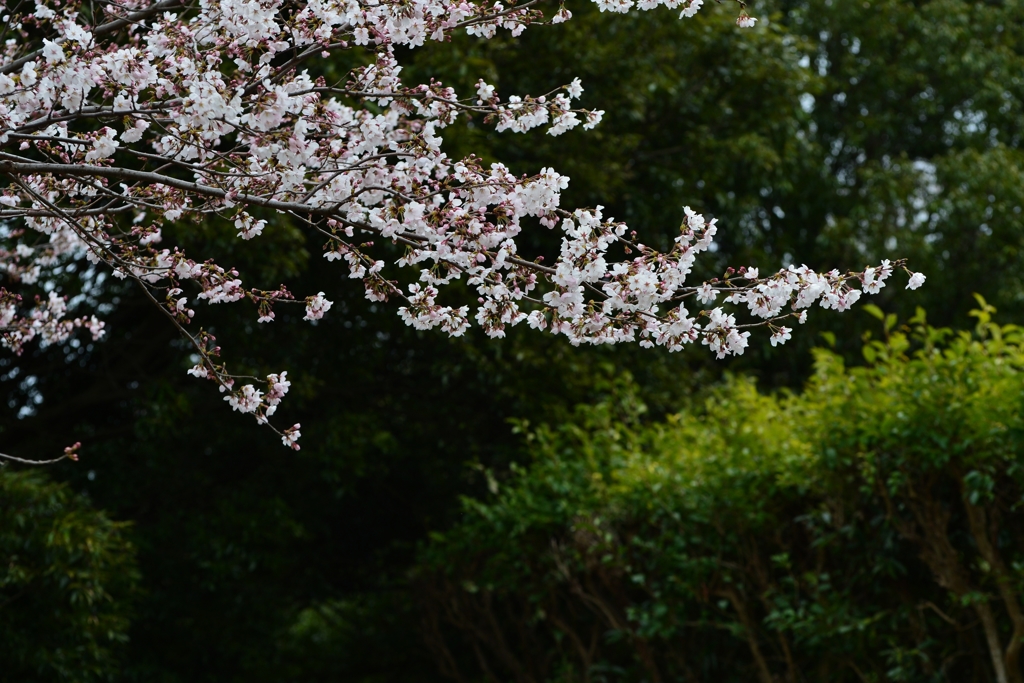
[{"x": 119, "y": 118}]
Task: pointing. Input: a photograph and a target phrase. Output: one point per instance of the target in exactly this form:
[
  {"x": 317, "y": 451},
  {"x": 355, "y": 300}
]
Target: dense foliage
[
  {"x": 865, "y": 529},
  {"x": 66, "y": 583}
]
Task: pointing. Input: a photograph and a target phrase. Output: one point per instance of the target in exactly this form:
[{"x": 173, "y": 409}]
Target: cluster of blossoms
[
  {"x": 46, "y": 322},
  {"x": 119, "y": 118}
]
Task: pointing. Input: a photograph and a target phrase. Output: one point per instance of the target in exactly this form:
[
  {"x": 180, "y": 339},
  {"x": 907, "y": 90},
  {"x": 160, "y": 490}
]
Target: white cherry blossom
[
  {"x": 116, "y": 122},
  {"x": 916, "y": 280}
]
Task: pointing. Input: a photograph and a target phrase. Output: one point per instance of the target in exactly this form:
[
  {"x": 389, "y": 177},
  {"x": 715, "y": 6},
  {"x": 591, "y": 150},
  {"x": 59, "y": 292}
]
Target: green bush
[
  {"x": 66, "y": 575},
  {"x": 866, "y": 529}
]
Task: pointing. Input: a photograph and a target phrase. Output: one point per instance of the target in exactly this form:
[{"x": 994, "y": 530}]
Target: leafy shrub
[
  {"x": 66, "y": 575},
  {"x": 866, "y": 529}
]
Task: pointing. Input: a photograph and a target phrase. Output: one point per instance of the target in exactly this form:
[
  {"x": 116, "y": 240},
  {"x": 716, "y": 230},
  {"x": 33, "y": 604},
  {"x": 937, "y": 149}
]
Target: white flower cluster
[
  {"x": 249, "y": 399},
  {"x": 178, "y": 110},
  {"x": 46, "y": 322}
]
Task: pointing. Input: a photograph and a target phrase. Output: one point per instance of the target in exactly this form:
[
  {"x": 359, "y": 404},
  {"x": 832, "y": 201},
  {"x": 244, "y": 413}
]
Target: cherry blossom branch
[
  {"x": 70, "y": 453},
  {"x": 100, "y": 31},
  {"x": 107, "y": 134}
]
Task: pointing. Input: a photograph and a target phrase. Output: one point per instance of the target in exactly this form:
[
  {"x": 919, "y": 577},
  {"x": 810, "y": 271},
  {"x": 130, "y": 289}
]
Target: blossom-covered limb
[{"x": 116, "y": 122}]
